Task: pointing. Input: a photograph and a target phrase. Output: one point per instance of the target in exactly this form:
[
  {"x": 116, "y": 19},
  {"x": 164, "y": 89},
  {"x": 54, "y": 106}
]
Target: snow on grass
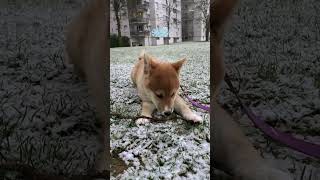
[
  {"x": 170, "y": 149},
  {"x": 46, "y": 118},
  {"x": 273, "y": 52}
]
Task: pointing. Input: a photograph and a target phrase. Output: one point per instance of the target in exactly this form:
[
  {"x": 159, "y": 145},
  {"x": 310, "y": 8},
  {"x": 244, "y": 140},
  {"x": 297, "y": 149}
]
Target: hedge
[{"x": 123, "y": 41}]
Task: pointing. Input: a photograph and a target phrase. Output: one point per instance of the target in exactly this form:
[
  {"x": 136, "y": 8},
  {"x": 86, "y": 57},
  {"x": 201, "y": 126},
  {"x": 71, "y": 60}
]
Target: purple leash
[
  {"x": 305, "y": 147},
  {"x": 195, "y": 103},
  {"x": 284, "y": 138}
]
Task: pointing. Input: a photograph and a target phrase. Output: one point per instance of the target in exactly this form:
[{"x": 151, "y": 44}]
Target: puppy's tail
[{"x": 221, "y": 11}]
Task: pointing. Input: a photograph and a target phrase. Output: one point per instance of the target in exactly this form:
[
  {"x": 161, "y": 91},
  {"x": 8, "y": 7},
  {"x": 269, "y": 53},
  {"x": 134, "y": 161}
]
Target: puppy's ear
[
  {"x": 177, "y": 65},
  {"x": 149, "y": 64},
  {"x": 142, "y": 53}
]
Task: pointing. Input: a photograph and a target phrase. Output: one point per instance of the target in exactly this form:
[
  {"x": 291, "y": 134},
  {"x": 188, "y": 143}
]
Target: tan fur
[
  {"x": 233, "y": 152},
  {"x": 86, "y": 48},
  {"x": 221, "y": 12},
  {"x": 158, "y": 83}
]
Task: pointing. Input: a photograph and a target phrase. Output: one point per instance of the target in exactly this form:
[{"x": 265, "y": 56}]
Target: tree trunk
[
  {"x": 118, "y": 28},
  {"x": 118, "y": 24},
  {"x": 168, "y": 11},
  {"x": 207, "y": 26},
  {"x": 168, "y": 36},
  {"x": 117, "y": 10}
]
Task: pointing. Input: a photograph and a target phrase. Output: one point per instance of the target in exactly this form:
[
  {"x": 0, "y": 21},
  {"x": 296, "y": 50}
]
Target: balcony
[
  {"x": 140, "y": 33},
  {"x": 143, "y": 6},
  {"x": 146, "y": 2},
  {"x": 139, "y": 20}
]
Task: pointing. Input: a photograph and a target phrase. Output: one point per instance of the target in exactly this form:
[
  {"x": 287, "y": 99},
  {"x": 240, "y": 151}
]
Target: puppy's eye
[
  {"x": 159, "y": 96},
  {"x": 172, "y": 94}
]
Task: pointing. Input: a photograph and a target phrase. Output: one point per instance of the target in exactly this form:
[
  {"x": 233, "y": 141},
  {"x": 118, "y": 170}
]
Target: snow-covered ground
[
  {"x": 273, "y": 51},
  {"x": 45, "y": 117},
  {"x": 169, "y": 149}
]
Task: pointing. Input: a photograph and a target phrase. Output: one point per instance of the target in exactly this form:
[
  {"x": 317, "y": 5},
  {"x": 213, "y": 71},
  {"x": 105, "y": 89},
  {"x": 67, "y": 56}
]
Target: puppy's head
[{"x": 161, "y": 82}]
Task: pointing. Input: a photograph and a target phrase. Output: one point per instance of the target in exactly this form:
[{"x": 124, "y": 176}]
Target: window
[
  {"x": 125, "y": 27},
  {"x": 139, "y": 28},
  {"x": 139, "y": 14},
  {"x": 166, "y": 18},
  {"x": 164, "y": 6},
  {"x": 174, "y": 10},
  {"x": 175, "y": 20}
]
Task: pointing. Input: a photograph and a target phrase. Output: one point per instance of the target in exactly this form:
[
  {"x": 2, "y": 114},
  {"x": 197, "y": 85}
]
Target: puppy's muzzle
[{"x": 168, "y": 112}]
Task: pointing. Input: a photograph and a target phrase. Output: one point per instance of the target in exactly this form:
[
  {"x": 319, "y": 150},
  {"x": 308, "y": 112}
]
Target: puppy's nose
[{"x": 167, "y": 113}]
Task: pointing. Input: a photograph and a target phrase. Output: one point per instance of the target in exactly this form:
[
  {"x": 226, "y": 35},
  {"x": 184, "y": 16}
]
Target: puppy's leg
[
  {"x": 79, "y": 72},
  {"x": 86, "y": 47},
  {"x": 234, "y": 153},
  {"x": 219, "y": 69},
  {"x": 147, "y": 110},
  {"x": 97, "y": 85},
  {"x": 183, "y": 109},
  {"x": 96, "y": 73},
  {"x": 71, "y": 58},
  {"x": 222, "y": 10},
  {"x": 132, "y": 76}
]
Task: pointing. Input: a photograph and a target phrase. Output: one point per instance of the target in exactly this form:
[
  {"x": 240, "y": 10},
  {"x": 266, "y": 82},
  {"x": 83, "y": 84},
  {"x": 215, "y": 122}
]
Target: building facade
[
  {"x": 166, "y": 13},
  {"x": 146, "y": 22},
  {"x": 125, "y": 29},
  {"x": 193, "y": 28}
]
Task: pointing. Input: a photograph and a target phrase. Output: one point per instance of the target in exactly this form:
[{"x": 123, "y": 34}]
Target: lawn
[
  {"x": 273, "y": 56},
  {"x": 46, "y": 117},
  {"x": 163, "y": 150}
]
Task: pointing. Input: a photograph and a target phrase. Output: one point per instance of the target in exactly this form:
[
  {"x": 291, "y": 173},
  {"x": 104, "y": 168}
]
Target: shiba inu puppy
[
  {"x": 233, "y": 153},
  {"x": 86, "y": 48},
  {"x": 158, "y": 84}
]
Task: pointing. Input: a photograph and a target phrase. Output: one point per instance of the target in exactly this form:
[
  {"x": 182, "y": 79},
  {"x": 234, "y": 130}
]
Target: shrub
[
  {"x": 124, "y": 41},
  {"x": 115, "y": 41}
]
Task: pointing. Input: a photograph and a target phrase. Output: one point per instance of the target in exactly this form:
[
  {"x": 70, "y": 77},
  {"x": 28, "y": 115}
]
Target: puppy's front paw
[
  {"x": 193, "y": 117},
  {"x": 142, "y": 121}
]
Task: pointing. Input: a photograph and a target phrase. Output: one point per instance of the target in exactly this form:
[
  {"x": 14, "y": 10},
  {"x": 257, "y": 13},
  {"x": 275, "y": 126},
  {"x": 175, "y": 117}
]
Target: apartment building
[
  {"x": 162, "y": 17},
  {"x": 139, "y": 22},
  {"x": 148, "y": 20},
  {"x": 125, "y": 29},
  {"x": 193, "y": 28}
]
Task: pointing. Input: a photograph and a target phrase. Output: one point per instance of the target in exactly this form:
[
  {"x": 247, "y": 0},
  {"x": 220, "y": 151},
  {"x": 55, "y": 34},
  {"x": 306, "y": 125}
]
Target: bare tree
[
  {"x": 203, "y": 6},
  {"x": 119, "y": 10},
  {"x": 170, "y": 5}
]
